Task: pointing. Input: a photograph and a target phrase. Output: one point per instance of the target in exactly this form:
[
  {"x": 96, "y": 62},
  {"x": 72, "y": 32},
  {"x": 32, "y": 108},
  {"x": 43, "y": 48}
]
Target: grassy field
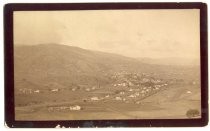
[{"x": 170, "y": 103}]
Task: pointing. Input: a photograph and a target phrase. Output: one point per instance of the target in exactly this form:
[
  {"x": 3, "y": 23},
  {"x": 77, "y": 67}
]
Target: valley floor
[{"x": 172, "y": 103}]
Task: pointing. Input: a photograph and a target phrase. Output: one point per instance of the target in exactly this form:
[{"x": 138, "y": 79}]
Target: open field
[{"x": 169, "y": 103}]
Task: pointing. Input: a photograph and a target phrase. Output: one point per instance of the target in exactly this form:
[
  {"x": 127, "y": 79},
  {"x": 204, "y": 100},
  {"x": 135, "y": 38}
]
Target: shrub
[{"x": 192, "y": 113}]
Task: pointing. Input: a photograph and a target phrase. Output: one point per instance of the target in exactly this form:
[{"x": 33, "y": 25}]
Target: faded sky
[{"x": 133, "y": 33}]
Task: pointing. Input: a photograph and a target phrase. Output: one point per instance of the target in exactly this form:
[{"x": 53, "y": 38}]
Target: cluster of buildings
[
  {"x": 131, "y": 87},
  {"x": 134, "y": 79},
  {"x": 28, "y": 91},
  {"x": 64, "y": 108},
  {"x": 34, "y": 91},
  {"x": 130, "y": 94}
]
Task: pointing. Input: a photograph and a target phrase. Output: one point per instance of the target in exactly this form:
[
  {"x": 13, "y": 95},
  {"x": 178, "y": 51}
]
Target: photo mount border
[{"x": 9, "y": 66}]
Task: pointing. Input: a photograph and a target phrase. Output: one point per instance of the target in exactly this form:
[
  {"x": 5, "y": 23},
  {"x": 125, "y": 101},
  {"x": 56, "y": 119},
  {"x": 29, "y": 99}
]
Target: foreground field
[{"x": 171, "y": 103}]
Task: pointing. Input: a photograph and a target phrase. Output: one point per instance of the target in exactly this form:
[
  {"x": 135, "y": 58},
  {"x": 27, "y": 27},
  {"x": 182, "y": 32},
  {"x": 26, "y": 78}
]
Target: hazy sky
[{"x": 134, "y": 33}]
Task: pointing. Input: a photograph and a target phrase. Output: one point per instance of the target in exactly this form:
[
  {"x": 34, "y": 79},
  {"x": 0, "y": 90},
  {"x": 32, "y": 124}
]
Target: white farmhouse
[
  {"x": 55, "y": 90},
  {"x": 118, "y": 98},
  {"x": 94, "y": 99},
  {"x": 75, "y": 108},
  {"x": 36, "y": 91}
]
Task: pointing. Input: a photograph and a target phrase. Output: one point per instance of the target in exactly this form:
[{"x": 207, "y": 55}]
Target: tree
[{"x": 192, "y": 113}]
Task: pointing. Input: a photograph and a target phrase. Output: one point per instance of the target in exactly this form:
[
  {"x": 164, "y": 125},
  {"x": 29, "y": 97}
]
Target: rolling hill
[
  {"x": 48, "y": 64},
  {"x": 171, "y": 61},
  {"x": 66, "y": 65}
]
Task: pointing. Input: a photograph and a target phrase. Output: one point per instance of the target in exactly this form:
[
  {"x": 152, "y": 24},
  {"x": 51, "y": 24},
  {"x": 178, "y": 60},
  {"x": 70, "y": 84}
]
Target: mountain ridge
[{"x": 66, "y": 65}]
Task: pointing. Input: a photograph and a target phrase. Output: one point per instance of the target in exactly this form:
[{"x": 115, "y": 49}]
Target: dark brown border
[{"x": 9, "y": 68}]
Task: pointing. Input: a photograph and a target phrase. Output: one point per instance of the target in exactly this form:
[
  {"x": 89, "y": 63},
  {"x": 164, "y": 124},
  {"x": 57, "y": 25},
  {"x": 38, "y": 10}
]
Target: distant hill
[
  {"x": 50, "y": 64},
  {"x": 171, "y": 61}
]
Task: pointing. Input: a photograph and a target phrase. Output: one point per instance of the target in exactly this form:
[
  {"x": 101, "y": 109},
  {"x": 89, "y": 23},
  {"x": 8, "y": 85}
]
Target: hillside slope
[
  {"x": 66, "y": 64},
  {"x": 63, "y": 65}
]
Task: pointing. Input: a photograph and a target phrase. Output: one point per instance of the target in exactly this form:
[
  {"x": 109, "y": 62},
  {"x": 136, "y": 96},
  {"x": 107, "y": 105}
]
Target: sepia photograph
[{"x": 122, "y": 64}]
